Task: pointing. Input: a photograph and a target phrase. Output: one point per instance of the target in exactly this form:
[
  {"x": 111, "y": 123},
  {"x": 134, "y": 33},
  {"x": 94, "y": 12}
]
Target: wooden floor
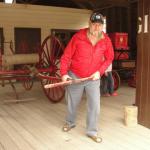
[{"x": 36, "y": 125}]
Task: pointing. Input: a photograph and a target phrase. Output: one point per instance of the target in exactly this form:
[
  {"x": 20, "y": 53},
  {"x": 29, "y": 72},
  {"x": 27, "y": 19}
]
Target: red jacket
[{"x": 84, "y": 59}]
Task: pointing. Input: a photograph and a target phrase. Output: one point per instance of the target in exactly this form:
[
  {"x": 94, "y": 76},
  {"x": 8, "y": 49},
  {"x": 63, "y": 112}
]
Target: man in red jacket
[{"x": 84, "y": 57}]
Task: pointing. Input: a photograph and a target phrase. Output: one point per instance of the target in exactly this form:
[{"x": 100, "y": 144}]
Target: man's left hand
[{"x": 96, "y": 75}]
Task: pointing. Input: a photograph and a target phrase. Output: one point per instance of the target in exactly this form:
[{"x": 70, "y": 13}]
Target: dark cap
[{"x": 97, "y": 18}]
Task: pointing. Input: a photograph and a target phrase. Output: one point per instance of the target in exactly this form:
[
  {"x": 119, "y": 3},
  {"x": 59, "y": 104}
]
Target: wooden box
[
  {"x": 119, "y": 40},
  {"x": 130, "y": 116}
]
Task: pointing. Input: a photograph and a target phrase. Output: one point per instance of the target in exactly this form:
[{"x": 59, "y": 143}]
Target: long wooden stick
[{"x": 69, "y": 82}]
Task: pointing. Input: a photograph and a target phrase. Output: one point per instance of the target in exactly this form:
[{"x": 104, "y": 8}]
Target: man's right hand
[{"x": 65, "y": 77}]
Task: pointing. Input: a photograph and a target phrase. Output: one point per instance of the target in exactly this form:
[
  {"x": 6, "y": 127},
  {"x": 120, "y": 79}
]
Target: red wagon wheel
[
  {"x": 51, "y": 51},
  {"x": 116, "y": 78},
  {"x": 27, "y": 83}
]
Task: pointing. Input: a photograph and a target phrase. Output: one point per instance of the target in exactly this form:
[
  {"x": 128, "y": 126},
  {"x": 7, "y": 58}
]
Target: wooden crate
[
  {"x": 119, "y": 40},
  {"x": 130, "y": 115}
]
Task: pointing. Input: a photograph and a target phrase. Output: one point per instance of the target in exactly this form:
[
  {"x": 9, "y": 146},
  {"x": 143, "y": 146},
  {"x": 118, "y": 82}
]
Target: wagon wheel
[
  {"x": 51, "y": 51},
  {"x": 28, "y": 83},
  {"x": 116, "y": 78}
]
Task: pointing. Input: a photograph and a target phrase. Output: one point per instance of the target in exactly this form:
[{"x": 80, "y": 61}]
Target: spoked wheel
[
  {"x": 116, "y": 78},
  {"x": 28, "y": 83},
  {"x": 50, "y": 54}
]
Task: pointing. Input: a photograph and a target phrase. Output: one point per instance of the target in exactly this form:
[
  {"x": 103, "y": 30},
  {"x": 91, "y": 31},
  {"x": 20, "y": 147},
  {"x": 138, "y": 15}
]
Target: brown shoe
[
  {"x": 96, "y": 139},
  {"x": 67, "y": 127}
]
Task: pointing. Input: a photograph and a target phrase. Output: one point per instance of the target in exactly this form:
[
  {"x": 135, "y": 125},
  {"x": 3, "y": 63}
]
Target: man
[
  {"x": 108, "y": 87},
  {"x": 83, "y": 57}
]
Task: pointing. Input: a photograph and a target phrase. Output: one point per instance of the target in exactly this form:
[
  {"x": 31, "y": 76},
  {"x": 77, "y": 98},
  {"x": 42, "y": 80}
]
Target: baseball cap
[{"x": 97, "y": 18}]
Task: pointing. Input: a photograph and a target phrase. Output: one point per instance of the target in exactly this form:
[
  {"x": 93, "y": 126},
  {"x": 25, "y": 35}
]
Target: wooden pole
[{"x": 69, "y": 82}]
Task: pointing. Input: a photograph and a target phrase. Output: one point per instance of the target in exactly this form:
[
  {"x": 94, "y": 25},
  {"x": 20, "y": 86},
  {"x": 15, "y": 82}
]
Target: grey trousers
[{"x": 73, "y": 96}]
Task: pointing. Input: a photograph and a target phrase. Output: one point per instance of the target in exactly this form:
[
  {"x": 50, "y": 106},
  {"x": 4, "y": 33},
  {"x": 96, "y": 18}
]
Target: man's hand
[
  {"x": 96, "y": 75},
  {"x": 65, "y": 77}
]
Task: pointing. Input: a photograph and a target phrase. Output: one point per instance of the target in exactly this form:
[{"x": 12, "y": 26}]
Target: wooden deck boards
[{"x": 36, "y": 125}]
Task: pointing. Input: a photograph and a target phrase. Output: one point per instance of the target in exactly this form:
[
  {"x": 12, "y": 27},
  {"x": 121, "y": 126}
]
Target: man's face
[{"x": 95, "y": 28}]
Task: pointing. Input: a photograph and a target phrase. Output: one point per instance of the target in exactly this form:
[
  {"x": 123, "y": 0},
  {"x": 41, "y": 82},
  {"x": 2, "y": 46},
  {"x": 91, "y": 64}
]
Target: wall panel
[
  {"x": 143, "y": 64},
  {"x": 44, "y": 17}
]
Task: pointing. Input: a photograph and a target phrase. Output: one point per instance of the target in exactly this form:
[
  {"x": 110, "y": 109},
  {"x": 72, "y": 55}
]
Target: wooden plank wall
[
  {"x": 1, "y": 41},
  {"x": 44, "y": 17},
  {"x": 117, "y": 18},
  {"x": 143, "y": 64},
  {"x": 133, "y": 28},
  {"x": 123, "y": 19}
]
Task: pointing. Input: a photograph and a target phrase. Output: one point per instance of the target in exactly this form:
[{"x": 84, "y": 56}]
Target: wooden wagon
[{"x": 44, "y": 65}]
